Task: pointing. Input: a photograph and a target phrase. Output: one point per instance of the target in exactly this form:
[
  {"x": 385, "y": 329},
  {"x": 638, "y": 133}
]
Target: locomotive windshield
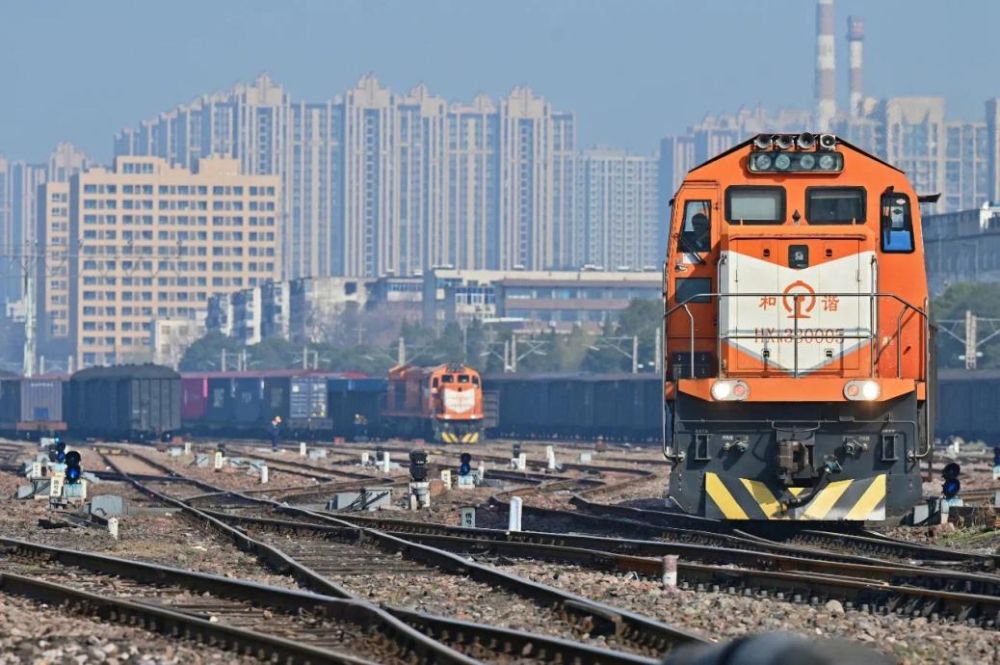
[
  {"x": 835, "y": 205},
  {"x": 755, "y": 205}
]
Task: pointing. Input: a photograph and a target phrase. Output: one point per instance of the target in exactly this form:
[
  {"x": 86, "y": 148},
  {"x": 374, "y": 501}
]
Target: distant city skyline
[{"x": 629, "y": 72}]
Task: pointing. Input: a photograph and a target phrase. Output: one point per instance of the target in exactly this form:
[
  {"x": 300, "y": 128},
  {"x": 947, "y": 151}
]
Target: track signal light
[
  {"x": 73, "y": 470},
  {"x": 827, "y": 141},
  {"x": 784, "y": 141},
  {"x": 763, "y": 142},
  {"x": 60, "y": 448},
  {"x": 951, "y": 471},
  {"x": 418, "y": 466},
  {"x": 951, "y": 487},
  {"x": 465, "y": 464},
  {"x": 805, "y": 141}
]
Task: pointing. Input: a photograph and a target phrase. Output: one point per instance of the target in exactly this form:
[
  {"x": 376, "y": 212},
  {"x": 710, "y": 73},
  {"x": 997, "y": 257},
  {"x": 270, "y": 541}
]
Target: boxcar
[
  {"x": 133, "y": 402},
  {"x": 31, "y": 405}
]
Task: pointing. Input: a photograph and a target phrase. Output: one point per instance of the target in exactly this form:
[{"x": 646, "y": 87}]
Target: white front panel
[
  {"x": 828, "y": 325},
  {"x": 459, "y": 401}
]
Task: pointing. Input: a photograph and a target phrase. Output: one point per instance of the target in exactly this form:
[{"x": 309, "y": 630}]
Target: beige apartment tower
[{"x": 149, "y": 241}]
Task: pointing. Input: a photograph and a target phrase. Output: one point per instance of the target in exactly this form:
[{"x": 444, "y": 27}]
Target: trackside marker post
[
  {"x": 514, "y": 520},
  {"x": 669, "y": 571}
]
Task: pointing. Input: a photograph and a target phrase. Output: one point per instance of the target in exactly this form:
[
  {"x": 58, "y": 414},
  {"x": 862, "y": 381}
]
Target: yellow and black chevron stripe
[
  {"x": 854, "y": 499},
  {"x": 466, "y": 437}
]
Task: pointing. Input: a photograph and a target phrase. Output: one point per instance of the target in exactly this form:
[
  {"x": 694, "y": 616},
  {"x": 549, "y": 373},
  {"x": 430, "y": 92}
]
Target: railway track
[
  {"x": 886, "y": 588},
  {"x": 637, "y": 637},
  {"x": 272, "y": 623},
  {"x": 852, "y": 541}
]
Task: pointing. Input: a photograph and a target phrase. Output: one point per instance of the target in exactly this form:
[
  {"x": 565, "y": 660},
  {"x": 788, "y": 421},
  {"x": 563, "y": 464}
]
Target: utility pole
[
  {"x": 635, "y": 354},
  {"x": 513, "y": 353},
  {"x": 658, "y": 359},
  {"x": 401, "y": 351},
  {"x": 223, "y": 364},
  {"x": 970, "y": 340}
]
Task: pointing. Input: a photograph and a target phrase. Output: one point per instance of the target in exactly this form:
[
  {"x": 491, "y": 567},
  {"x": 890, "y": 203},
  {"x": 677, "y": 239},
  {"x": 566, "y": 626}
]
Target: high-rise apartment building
[
  {"x": 618, "y": 210},
  {"x": 149, "y": 241},
  {"x": 20, "y": 211},
  {"x": 382, "y": 183},
  {"x": 52, "y": 285}
]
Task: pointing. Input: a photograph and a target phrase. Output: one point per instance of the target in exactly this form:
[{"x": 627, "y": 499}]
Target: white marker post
[
  {"x": 550, "y": 458},
  {"x": 446, "y": 478},
  {"x": 385, "y": 462},
  {"x": 263, "y": 474},
  {"x": 468, "y": 514},
  {"x": 219, "y": 460},
  {"x": 113, "y": 527},
  {"x": 187, "y": 447},
  {"x": 670, "y": 571},
  {"x": 302, "y": 449},
  {"x": 364, "y": 458},
  {"x": 514, "y": 520}
]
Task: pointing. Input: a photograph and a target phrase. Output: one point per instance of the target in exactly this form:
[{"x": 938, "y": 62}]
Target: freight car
[
  {"x": 969, "y": 404},
  {"x": 443, "y": 403},
  {"x": 797, "y": 335},
  {"x": 620, "y": 407},
  {"x": 244, "y": 404},
  {"x": 31, "y": 406},
  {"x": 131, "y": 402}
]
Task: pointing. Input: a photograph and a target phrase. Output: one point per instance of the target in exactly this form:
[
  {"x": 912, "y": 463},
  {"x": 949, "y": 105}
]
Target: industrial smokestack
[
  {"x": 826, "y": 85},
  {"x": 855, "y": 41}
]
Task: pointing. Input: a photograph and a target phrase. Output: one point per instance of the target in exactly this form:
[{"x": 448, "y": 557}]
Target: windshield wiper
[{"x": 684, "y": 243}]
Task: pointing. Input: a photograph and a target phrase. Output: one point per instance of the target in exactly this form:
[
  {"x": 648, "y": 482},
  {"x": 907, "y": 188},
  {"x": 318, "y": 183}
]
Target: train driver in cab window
[{"x": 696, "y": 232}]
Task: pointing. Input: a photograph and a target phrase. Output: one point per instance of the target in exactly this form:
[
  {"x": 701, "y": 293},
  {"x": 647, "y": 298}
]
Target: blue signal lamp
[
  {"x": 465, "y": 464},
  {"x": 951, "y": 487}
]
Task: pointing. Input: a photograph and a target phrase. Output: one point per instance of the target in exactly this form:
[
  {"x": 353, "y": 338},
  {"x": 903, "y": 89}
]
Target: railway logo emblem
[{"x": 798, "y": 299}]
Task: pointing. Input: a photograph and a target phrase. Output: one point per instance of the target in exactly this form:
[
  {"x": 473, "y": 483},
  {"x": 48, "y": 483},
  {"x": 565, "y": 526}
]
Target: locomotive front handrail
[{"x": 796, "y": 336}]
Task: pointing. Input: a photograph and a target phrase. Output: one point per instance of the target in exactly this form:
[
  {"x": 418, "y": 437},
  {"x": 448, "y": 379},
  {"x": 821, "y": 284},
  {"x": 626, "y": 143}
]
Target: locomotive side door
[{"x": 691, "y": 277}]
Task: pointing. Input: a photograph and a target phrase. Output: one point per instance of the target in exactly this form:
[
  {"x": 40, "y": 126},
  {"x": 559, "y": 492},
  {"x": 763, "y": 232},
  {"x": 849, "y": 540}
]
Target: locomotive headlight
[
  {"x": 827, "y": 162},
  {"x": 807, "y": 161},
  {"x": 762, "y": 162},
  {"x": 782, "y": 162},
  {"x": 862, "y": 391},
  {"x": 728, "y": 391}
]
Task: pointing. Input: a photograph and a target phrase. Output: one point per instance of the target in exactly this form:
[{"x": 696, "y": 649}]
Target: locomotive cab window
[
  {"x": 448, "y": 378},
  {"x": 896, "y": 223},
  {"x": 696, "y": 229},
  {"x": 463, "y": 378},
  {"x": 475, "y": 380},
  {"x": 750, "y": 204},
  {"x": 835, "y": 205},
  {"x": 435, "y": 382}
]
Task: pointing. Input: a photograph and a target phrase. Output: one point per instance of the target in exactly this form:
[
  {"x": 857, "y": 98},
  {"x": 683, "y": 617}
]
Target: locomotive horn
[
  {"x": 784, "y": 141},
  {"x": 763, "y": 142},
  {"x": 805, "y": 141}
]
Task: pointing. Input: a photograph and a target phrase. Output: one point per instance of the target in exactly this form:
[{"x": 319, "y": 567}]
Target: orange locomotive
[
  {"x": 443, "y": 403},
  {"x": 796, "y": 322}
]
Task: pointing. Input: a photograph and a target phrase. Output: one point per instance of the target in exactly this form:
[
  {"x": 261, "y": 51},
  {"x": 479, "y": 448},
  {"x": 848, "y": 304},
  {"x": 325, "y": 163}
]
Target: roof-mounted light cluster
[{"x": 801, "y": 153}]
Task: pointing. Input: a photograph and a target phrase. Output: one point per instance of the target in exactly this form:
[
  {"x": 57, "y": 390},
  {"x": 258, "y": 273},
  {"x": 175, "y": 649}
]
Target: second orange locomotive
[{"x": 443, "y": 403}]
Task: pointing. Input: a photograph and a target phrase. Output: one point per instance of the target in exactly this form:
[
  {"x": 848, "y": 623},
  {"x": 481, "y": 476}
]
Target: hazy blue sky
[{"x": 631, "y": 70}]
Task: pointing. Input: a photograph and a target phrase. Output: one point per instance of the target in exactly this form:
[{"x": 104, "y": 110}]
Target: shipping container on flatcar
[
  {"x": 42, "y": 404},
  {"x": 132, "y": 402}
]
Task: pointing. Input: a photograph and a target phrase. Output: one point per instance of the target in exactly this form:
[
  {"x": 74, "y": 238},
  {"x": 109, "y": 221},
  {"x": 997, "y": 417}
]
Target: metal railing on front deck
[{"x": 872, "y": 335}]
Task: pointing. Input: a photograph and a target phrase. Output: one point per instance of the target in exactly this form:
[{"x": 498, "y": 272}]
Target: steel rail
[{"x": 636, "y": 628}]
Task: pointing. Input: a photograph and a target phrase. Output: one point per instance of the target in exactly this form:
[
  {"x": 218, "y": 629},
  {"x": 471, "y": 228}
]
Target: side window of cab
[
  {"x": 696, "y": 227},
  {"x": 896, "y": 223}
]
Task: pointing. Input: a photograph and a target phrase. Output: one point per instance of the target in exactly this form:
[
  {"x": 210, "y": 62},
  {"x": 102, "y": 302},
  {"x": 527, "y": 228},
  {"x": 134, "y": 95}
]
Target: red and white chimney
[
  {"x": 856, "y": 41},
  {"x": 826, "y": 85}
]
